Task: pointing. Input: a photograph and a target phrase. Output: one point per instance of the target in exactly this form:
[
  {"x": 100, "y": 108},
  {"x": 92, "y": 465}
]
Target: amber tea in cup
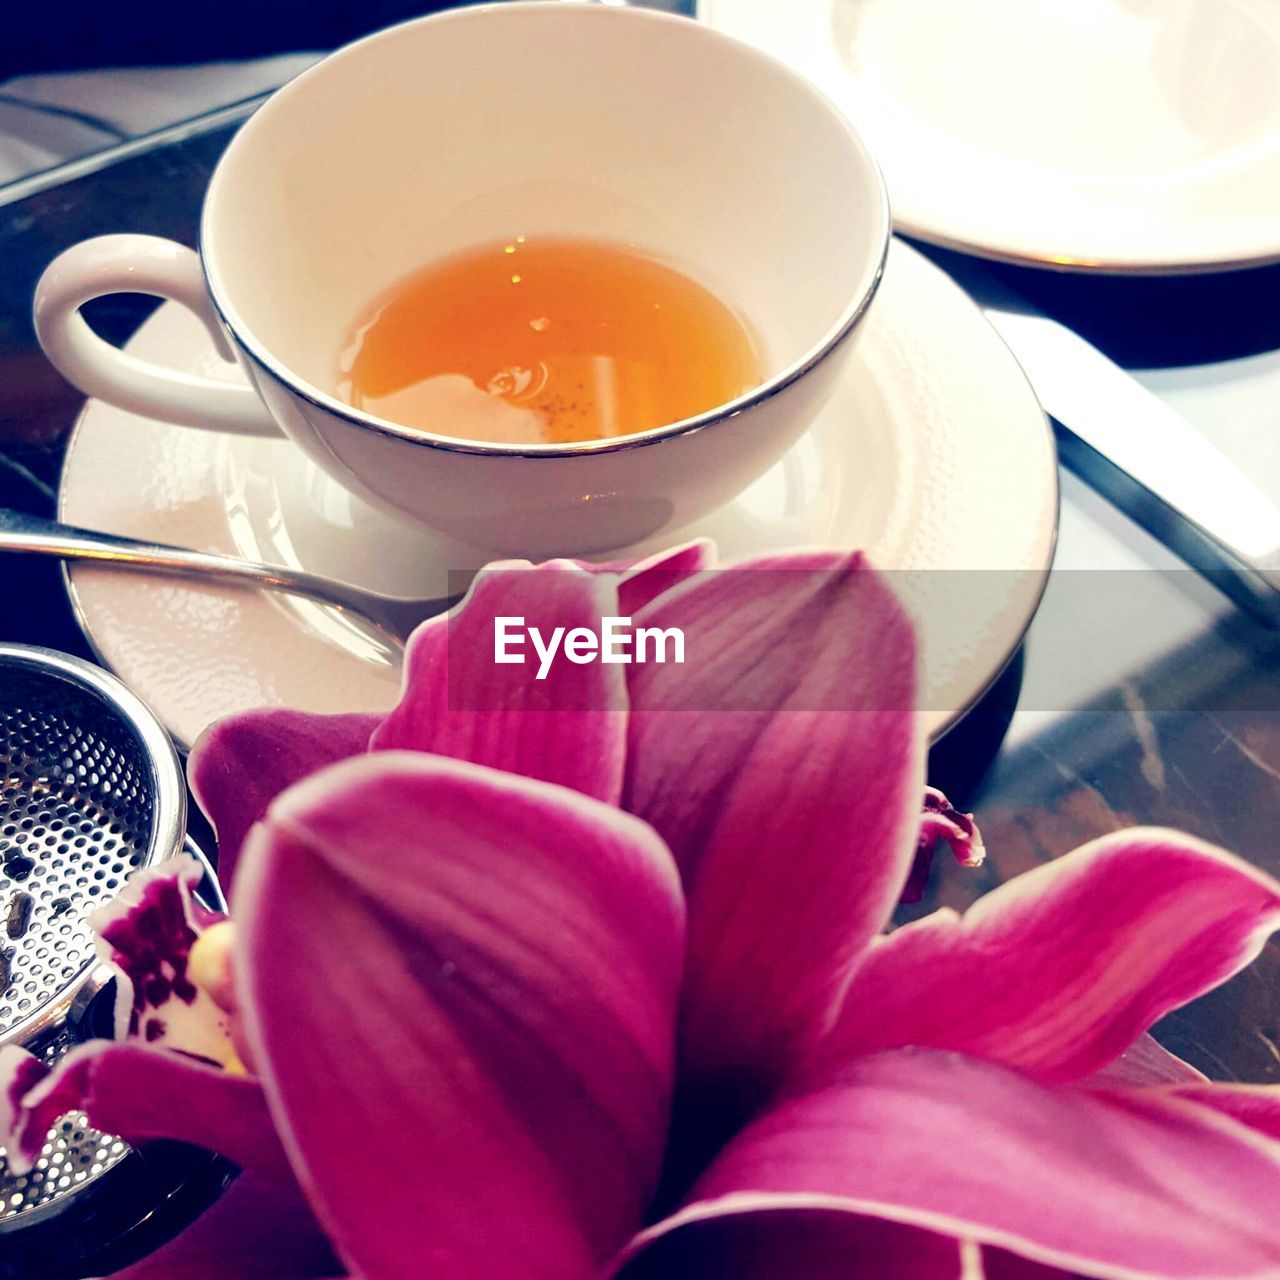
[
  {"x": 488, "y": 121},
  {"x": 539, "y": 340}
]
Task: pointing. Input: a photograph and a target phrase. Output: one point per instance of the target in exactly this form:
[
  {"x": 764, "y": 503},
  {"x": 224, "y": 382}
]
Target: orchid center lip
[{"x": 209, "y": 964}]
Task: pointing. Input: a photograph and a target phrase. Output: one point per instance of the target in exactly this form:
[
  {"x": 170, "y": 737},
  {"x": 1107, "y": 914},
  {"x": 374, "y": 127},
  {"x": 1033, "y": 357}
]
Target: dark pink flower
[{"x": 484, "y": 951}]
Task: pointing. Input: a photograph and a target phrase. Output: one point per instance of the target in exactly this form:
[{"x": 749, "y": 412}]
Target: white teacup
[{"x": 487, "y": 122}]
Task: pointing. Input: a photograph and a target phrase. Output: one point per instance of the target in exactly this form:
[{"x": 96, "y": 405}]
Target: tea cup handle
[{"x": 140, "y": 264}]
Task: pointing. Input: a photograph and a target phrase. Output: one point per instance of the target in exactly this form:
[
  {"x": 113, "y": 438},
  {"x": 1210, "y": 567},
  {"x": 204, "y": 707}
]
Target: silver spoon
[{"x": 394, "y": 616}]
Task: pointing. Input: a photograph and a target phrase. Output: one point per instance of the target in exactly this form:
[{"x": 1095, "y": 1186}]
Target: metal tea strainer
[{"x": 91, "y": 790}]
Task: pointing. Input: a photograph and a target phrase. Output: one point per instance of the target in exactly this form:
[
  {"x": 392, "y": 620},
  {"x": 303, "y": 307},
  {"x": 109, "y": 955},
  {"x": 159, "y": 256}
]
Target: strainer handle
[{"x": 140, "y": 264}]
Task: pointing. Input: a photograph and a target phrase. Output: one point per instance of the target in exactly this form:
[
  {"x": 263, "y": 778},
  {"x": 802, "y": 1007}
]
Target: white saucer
[
  {"x": 1124, "y": 135},
  {"x": 933, "y": 456}
]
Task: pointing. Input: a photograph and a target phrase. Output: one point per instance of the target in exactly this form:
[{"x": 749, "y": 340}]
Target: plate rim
[
  {"x": 1169, "y": 270},
  {"x": 1179, "y": 265}
]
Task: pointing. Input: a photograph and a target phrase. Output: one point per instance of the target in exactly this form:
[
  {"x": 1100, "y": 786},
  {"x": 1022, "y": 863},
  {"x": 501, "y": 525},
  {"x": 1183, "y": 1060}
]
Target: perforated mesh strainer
[{"x": 90, "y": 790}]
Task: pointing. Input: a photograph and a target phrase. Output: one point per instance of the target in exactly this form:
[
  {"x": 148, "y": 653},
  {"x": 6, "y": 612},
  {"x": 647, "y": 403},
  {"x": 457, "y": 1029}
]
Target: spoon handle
[{"x": 22, "y": 532}]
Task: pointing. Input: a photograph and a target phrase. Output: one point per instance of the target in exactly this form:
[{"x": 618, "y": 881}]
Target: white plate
[
  {"x": 933, "y": 456},
  {"x": 1124, "y": 135}
]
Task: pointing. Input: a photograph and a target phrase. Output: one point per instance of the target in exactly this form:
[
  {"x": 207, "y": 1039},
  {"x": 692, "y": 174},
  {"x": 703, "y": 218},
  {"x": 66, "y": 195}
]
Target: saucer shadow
[
  {"x": 959, "y": 760},
  {"x": 1152, "y": 322}
]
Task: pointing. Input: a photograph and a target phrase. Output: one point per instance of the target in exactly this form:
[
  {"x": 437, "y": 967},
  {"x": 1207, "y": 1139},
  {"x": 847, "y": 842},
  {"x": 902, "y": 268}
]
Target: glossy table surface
[{"x": 1140, "y": 695}]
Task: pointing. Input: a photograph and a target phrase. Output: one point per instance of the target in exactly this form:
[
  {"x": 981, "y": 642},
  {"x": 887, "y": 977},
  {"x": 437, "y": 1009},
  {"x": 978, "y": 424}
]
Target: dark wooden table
[{"x": 1139, "y": 696}]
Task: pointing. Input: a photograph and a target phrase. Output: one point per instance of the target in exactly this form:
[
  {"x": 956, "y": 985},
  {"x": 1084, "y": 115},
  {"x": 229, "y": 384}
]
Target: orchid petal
[
  {"x": 258, "y": 1230},
  {"x": 647, "y": 579},
  {"x": 239, "y": 765},
  {"x": 1060, "y": 970},
  {"x": 20, "y": 1073},
  {"x": 139, "y": 1094},
  {"x": 483, "y": 971},
  {"x": 1256, "y": 1105},
  {"x": 568, "y": 728},
  {"x": 999, "y": 1265},
  {"x": 799, "y": 1244},
  {"x": 1145, "y": 1062},
  {"x": 1129, "y": 1186},
  {"x": 146, "y": 935},
  {"x": 788, "y": 788},
  {"x": 641, "y": 582}
]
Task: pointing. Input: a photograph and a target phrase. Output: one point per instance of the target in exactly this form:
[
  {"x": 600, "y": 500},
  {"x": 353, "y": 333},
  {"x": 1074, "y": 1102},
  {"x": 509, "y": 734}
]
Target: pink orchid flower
[{"x": 603, "y": 992}]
